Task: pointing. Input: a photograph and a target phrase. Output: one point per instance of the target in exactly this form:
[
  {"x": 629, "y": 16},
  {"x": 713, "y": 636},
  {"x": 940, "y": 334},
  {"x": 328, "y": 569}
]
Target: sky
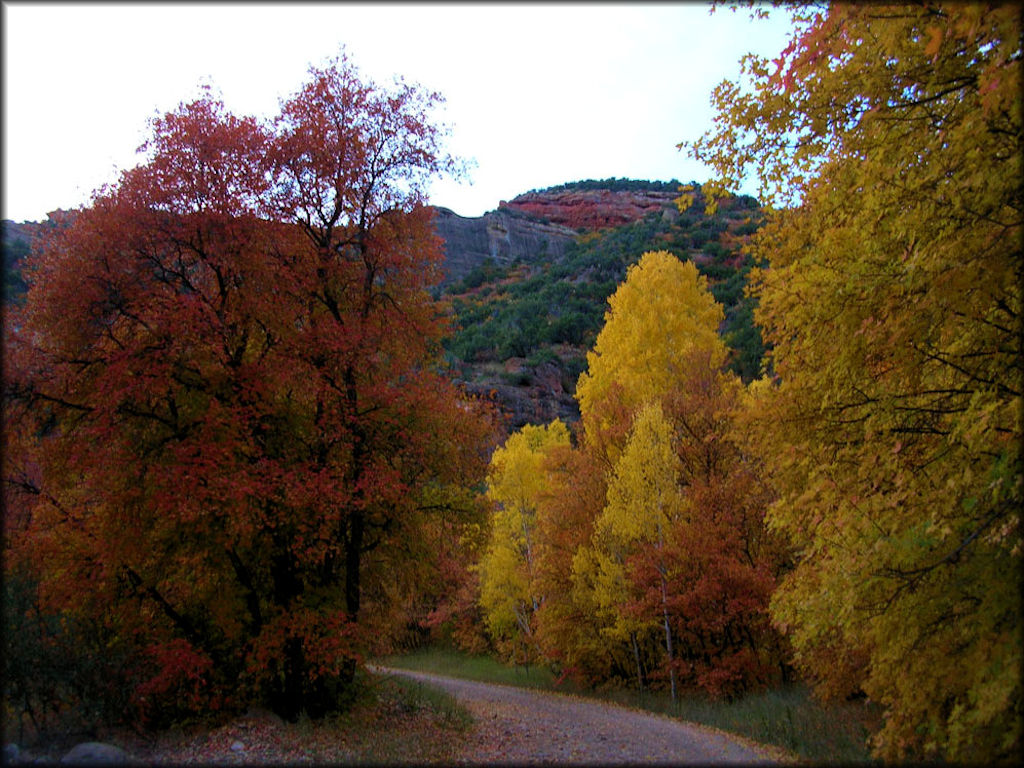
[{"x": 536, "y": 94}]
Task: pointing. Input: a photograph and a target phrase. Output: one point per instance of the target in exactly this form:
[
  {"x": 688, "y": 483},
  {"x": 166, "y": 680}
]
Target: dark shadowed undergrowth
[{"x": 388, "y": 722}]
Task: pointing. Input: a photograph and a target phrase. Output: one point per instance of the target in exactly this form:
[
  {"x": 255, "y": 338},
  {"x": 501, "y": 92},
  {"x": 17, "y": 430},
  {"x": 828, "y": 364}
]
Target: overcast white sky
[{"x": 537, "y": 94}]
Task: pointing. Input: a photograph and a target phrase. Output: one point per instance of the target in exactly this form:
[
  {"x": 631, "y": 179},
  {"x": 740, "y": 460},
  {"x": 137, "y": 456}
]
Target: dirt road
[{"x": 518, "y": 726}]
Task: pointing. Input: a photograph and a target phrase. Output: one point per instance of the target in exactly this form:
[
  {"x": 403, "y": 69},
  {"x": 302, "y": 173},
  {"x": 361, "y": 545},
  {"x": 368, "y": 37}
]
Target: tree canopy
[
  {"x": 516, "y": 479},
  {"x": 889, "y": 140},
  {"x": 644, "y": 555},
  {"x": 657, "y": 317}
]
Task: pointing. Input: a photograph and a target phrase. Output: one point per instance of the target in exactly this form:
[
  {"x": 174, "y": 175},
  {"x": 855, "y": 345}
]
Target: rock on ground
[{"x": 96, "y": 753}]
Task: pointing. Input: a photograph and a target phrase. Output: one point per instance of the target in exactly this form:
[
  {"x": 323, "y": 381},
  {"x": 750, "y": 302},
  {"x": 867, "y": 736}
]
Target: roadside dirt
[{"x": 520, "y": 726}]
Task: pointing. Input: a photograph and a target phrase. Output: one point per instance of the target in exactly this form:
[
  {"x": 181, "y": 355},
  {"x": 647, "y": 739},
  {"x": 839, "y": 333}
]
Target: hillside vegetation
[{"x": 525, "y": 316}]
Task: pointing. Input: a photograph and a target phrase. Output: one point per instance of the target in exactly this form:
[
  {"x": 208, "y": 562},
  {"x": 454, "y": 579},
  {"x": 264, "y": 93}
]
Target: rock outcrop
[
  {"x": 529, "y": 394},
  {"x": 502, "y": 236},
  {"x": 591, "y": 208}
]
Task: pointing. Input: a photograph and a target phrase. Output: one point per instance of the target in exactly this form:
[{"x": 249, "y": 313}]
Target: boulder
[{"x": 96, "y": 753}]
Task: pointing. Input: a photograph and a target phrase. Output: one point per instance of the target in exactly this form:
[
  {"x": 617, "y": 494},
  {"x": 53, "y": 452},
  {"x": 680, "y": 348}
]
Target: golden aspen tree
[
  {"x": 516, "y": 479},
  {"x": 659, "y": 314},
  {"x": 644, "y": 503},
  {"x": 656, "y": 318},
  {"x": 890, "y": 138}
]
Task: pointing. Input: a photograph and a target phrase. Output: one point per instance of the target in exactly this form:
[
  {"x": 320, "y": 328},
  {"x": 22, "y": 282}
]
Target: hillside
[
  {"x": 17, "y": 243},
  {"x": 528, "y": 319}
]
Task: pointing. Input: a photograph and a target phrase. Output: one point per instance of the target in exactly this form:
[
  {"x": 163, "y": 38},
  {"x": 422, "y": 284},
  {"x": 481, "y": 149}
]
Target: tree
[
  {"x": 575, "y": 495},
  {"x": 508, "y": 570},
  {"x": 890, "y": 139},
  {"x": 602, "y": 589},
  {"x": 655, "y": 318},
  {"x": 681, "y": 543},
  {"x": 644, "y": 504},
  {"x": 678, "y": 550},
  {"x": 225, "y": 405},
  {"x": 724, "y": 561}
]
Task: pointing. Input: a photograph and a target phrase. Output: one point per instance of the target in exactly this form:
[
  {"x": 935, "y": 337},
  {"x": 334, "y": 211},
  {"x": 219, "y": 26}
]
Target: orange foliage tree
[
  {"x": 575, "y": 495},
  {"x": 227, "y": 418}
]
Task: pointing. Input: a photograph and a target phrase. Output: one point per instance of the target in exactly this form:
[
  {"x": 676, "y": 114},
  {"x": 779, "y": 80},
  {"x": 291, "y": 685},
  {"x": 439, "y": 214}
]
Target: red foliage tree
[
  {"x": 722, "y": 568},
  {"x": 565, "y": 522},
  {"x": 712, "y": 576},
  {"x": 225, "y": 404}
]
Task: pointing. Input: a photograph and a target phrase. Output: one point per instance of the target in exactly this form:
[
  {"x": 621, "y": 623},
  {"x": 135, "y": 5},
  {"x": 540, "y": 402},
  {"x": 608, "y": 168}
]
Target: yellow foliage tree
[
  {"x": 516, "y": 479},
  {"x": 656, "y": 318},
  {"x": 890, "y": 139},
  {"x": 644, "y": 503}
]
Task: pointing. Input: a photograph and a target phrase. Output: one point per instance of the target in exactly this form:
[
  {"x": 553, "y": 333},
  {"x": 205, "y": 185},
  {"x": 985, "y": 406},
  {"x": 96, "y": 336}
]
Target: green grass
[
  {"x": 485, "y": 669},
  {"x": 789, "y": 717}
]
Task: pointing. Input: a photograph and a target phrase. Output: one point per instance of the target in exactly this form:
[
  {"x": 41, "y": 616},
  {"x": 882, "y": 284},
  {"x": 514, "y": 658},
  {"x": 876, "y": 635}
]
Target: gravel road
[{"x": 519, "y": 726}]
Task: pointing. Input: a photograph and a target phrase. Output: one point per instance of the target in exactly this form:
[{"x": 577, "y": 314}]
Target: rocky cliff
[
  {"x": 592, "y": 208},
  {"x": 502, "y": 236},
  {"x": 536, "y": 226},
  {"x": 525, "y": 331}
]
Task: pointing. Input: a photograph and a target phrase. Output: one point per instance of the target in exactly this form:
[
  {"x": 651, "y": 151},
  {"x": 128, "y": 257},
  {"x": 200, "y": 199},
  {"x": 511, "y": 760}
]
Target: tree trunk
[
  {"x": 353, "y": 560},
  {"x": 636, "y": 658},
  {"x": 289, "y": 704},
  {"x": 668, "y": 640}
]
